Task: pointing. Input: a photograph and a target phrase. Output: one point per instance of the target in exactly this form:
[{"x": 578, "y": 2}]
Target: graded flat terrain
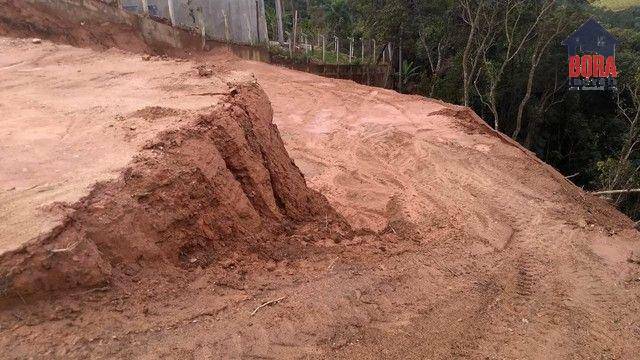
[
  {"x": 73, "y": 117},
  {"x": 462, "y": 244}
]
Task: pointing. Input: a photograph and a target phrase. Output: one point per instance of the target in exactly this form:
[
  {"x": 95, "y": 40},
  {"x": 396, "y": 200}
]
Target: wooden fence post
[
  {"x": 350, "y": 49},
  {"x": 384, "y": 54},
  {"x": 323, "y": 49},
  {"x": 295, "y": 29},
  {"x": 337, "y": 48},
  {"x": 375, "y": 57},
  {"x": 306, "y": 46}
]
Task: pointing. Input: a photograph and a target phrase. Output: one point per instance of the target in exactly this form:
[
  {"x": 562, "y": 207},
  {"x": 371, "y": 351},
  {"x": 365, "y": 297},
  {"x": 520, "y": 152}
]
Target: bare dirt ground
[
  {"x": 73, "y": 117},
  {"x": 462, "y": 244}
]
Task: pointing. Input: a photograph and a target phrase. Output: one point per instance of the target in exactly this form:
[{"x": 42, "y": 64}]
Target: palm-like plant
[{"x": 407, "y": 73}]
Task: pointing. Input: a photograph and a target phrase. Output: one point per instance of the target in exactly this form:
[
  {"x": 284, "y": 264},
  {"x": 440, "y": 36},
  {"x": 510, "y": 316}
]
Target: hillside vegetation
[{"x": 618, "y": 4}]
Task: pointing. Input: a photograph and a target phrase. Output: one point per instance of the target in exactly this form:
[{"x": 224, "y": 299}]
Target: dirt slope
[
  {"x": 519, "y": 262},
  {"x": 464, "y": 245}
]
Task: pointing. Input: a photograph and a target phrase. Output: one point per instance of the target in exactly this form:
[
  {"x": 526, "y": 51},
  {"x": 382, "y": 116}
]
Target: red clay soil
[
  {"x": 222, "y": 183},
  {"x": 19, "y": 18},
  {"x": 447, "y": 241}
]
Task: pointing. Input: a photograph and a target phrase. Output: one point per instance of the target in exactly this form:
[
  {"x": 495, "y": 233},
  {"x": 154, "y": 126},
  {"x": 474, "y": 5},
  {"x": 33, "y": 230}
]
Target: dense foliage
[{"x": 505, "y": 60}]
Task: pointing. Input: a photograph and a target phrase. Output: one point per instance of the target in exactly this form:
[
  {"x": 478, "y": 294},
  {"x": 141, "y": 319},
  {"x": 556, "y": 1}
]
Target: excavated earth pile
[{"x": 222, "y": 182}]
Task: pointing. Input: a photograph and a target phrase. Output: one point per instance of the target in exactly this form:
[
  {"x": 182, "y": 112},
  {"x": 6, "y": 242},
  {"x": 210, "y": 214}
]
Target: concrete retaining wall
[
  {"x": 233, "y": 21},
  {"x": 92, "y": 13}
]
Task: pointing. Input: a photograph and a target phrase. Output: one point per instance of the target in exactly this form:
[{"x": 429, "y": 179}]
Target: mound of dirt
[{"x": 222, "y": 182}]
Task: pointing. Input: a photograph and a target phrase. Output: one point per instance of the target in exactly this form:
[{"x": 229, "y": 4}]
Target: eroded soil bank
[{"x": 222, "y": 182}]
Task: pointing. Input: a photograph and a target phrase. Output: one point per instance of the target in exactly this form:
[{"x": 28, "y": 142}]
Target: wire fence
[
  {"x": 327, "y": 49},
  {"x": 244, "y": 22}
]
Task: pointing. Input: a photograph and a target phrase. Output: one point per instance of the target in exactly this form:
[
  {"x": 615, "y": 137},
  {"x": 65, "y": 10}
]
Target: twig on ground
[
  {"x": 445, "y": 266},
  {"x": 67, "y": 249},
  {"x": 271, "y": 302},
  {"x": 332, "y": 263},
  {"x": 98, "y": 289},
  {"x": 611, "y": 192},
  {"x": 211, "y": 94}
]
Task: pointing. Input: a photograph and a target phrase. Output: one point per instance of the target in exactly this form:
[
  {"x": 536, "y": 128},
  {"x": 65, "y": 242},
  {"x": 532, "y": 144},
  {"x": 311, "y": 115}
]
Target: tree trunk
[
  {"x": 524, "y": 101},
  {"x": 279, "y": 21},
  {"x": 466, "y": 77}
]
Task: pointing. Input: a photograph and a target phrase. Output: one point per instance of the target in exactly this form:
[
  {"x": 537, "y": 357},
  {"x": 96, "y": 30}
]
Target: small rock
[
  {"x": 582, "y": 223},
  {"x": 36, "y": 40},
  {"x": 525, "y": 321},
  {"x": 132, "y": 270},
  {"x": 132, "y": 127},
  {"x": 228, "y": 263},
  {"x": 205, "y": 71},
  {"x": 146, "y": 57}
]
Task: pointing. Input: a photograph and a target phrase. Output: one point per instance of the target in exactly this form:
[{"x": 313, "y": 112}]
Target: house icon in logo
[
  {"x": 592, "y": 51},
  {"x": 591, "y": 37}
]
